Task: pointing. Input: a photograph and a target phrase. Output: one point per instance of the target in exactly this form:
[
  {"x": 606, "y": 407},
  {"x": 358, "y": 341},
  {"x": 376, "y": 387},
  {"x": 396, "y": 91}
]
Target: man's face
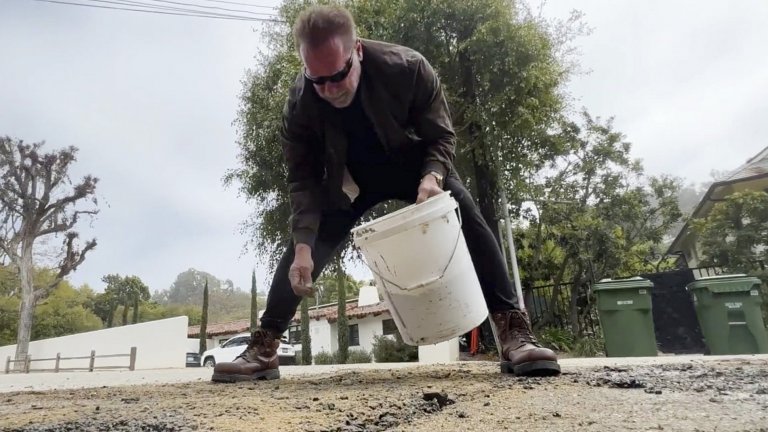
[{"x": 334, "y": 70}]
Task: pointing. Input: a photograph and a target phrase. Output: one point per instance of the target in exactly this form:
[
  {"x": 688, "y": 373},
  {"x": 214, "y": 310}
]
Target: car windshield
[{"x": 236, "y": 342}]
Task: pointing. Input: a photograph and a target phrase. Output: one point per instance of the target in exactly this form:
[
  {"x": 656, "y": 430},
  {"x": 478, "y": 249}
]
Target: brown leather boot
[
  {"x": 259, "y": 361},
  {"x": 521, "y": 354}
]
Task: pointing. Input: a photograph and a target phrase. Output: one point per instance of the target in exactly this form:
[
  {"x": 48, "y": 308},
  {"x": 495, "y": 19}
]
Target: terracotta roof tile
[
  {"x": 353, "y": 311},
  {"x": 219, "y": 329}
]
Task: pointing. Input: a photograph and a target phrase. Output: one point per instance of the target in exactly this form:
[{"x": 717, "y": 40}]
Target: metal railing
[
  {"x": 538, "y": 301},
  {"x": 27, "y": 362}
]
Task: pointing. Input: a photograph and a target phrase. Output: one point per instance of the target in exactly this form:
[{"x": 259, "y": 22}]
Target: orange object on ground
[{"x": 474, "y": 341}]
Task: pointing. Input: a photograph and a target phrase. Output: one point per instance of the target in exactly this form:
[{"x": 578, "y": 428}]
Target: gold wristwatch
[{"x": 438, "y": 177}]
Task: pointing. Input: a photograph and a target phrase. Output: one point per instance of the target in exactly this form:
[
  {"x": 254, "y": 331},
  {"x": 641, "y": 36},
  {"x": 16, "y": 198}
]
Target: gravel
[{"x": 730, "y": 395}]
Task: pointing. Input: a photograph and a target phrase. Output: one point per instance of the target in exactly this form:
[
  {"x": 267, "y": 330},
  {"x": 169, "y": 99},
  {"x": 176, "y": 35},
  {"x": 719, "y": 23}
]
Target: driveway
[{"x": 693, "y": 393}]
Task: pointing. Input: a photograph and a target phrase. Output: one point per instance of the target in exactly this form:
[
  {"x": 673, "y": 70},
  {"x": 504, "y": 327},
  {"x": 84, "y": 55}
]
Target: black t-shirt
[{"x": 367, "y": 159}]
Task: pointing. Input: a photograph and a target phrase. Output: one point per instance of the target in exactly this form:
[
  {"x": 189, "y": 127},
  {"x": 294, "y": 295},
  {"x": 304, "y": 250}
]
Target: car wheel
[{"x": 209, "y": 362}]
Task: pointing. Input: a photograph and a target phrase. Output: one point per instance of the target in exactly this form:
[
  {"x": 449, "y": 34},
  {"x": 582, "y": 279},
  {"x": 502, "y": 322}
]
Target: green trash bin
[
  {"x": 728, "y": 309},
  {"x": 624, "y": 308}
]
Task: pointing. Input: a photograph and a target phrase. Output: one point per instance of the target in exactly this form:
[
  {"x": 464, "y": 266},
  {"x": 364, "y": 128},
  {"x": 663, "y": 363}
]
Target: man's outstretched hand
[
  {"x": 300, "y": 273},
  {"x": 427, "y": 188}
]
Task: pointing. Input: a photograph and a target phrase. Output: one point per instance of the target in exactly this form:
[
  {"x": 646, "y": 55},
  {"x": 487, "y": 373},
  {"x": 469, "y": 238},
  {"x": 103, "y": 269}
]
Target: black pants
[{"x": 336, "y": 225}]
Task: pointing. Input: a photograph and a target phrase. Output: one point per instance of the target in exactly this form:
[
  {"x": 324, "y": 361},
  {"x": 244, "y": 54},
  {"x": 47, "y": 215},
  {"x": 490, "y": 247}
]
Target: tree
[
  {"x": 306, "y": 339},
  {"x": 735, "y": 233},
  {"x": 133, "y": 291},
  {"x": 204, "y": 321},
  {"x": 734, "y": 236},
  {"x": 152, "y": 311},
  {"x": 38, "y": 200},
  {"x": 128, "y": 291},
  {"x": 254, "y": 303},
  {"x": 501, "y": 71},
  {"x": 64, "y": 312},
  {"x": 9, "y": 304},
  {"x": 226, "y": 302},
  {"x": 188, "y": 288},
  {"x": 327, "y": 287},
  {"x": 597, "y": 215},
  {"x": 106, "y": 303},
  {"x": 342, "y": 324}
]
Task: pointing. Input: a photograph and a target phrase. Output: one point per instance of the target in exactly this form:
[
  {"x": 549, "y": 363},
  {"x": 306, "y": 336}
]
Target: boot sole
[
  {"x": 267, "y": 375},
  {"x": 540, "y": 368}
]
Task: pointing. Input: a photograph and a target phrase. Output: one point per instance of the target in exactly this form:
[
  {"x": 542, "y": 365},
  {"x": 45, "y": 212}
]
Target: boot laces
[
  {"x": 259, "y": 338},
  {"x": 521, "y": 329}
]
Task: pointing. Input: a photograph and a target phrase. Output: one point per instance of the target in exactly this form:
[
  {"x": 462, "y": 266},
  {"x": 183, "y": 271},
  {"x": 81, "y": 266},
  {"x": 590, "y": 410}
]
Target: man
[{"x": 365, "y": 122}]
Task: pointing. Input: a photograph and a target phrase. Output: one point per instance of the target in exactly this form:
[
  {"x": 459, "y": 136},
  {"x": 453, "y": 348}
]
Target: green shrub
[
  {"x": 557, "y": 339},
  {"x": 324, "y": 358},
  {"x": 588, "y": 346},
  {"x": 388, "y": 350},
  {"x": 358, "y": 356}
]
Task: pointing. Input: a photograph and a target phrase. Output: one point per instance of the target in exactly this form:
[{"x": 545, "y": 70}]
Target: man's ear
[{"x": 359, "y": 50}]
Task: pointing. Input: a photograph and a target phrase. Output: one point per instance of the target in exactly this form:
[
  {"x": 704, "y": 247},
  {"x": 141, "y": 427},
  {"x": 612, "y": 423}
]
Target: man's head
[{"x": 327, "y": 42}]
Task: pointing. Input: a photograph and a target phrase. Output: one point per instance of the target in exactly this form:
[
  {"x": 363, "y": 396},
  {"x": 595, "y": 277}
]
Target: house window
[
  {"x": 389, "y": 327},
  {"x": 354, "y": 335},
  {"x": 294, "y": 335}
]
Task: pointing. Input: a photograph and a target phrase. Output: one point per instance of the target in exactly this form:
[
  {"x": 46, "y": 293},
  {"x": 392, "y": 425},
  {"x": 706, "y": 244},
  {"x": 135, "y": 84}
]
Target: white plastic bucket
[{"x": 423, "y": 270}]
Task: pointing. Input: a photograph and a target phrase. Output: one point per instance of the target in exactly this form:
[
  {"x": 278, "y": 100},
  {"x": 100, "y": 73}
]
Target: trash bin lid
[
  {"x": 725, "y": 283},
  {"x": 628, "y": 283}
]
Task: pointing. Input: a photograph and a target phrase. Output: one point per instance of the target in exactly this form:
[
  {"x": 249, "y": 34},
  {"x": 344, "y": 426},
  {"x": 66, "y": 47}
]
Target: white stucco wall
[
  {"x": 325, "y": 338},
  {"x": 160, "y": 344},
  {"x": 444, "y": 352},
  {"x": 369, "y": 327},
  {"x": 322, "y": 340}
]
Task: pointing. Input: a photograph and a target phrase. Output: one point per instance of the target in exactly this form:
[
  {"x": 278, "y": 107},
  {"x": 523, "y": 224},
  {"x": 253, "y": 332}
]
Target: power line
[
  {"x": 198, "y": 14},
  {"x": 143, "y": 4},
  {"x": 213, "y": 7},
  {"x": 242, "y": 4}
]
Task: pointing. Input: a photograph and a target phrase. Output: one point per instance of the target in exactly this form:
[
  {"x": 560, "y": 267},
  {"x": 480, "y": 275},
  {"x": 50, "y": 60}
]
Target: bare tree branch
[{"x": 29, "y": 181}]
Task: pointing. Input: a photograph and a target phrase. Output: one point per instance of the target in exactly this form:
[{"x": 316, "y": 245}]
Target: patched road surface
[{"x": 719, "y": 395}]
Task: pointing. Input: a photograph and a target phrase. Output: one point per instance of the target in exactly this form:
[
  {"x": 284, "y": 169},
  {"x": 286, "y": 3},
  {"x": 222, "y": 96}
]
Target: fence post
[
  {"x": 58, "y": 359},
  {"x": 27, "y": 363},
  {"x": 93, "y": 360},
  {"x": 8, "y": 365},
  {"x": 132, "y": 365}
]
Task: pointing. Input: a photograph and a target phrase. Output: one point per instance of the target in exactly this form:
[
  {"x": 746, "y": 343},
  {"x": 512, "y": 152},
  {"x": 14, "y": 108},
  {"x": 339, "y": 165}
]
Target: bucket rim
[{"x": 429, "y": 205}]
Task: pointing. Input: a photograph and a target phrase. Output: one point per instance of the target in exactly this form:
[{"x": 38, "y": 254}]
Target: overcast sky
[{"x": 150, "y": 100}]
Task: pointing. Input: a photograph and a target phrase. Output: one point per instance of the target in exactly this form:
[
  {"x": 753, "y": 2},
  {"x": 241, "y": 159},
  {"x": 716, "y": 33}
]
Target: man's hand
[
  {"x": 427, "y": 188},
  {"x": 300, "y": 273}
]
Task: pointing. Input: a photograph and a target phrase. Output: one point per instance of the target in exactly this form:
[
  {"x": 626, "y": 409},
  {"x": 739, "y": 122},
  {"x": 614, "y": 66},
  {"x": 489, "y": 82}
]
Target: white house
[
  {"x": 752, "y": 175},
  {"x": 367, "y": 317}
]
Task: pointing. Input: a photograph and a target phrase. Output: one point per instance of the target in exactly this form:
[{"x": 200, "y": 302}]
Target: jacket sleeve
[
  {"x": 304, "y": 160},
  {"x": 432, "y": 120}
]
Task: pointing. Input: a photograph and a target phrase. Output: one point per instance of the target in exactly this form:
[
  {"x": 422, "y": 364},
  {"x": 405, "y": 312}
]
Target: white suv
[{"x": 234, "y": 346}]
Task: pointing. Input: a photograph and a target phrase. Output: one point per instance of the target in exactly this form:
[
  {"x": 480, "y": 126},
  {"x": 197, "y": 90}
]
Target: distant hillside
[{"x": 226, "y": 303}]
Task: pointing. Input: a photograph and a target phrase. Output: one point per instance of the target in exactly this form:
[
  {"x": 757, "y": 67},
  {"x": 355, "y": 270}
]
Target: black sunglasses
[{"x": 335, "y": 78}]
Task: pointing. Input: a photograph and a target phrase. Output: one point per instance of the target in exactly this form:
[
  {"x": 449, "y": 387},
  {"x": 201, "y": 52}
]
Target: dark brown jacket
[{"x": 402, "y": 96}]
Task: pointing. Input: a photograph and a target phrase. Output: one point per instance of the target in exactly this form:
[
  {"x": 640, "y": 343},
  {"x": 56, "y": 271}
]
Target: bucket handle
[{"x": 433, "y": 279}]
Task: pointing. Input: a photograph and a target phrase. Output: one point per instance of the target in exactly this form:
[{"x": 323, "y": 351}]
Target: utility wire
[
  {"x": 143, "y": 4},
  {"x": 213, "y": 7},
  {"x": 199, "y": 14},
  {"x": 242, "y": 4}
]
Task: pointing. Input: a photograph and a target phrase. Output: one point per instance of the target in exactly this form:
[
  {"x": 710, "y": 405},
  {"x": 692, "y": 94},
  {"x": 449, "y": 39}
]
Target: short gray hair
[{"x": 319, "y": 23}]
